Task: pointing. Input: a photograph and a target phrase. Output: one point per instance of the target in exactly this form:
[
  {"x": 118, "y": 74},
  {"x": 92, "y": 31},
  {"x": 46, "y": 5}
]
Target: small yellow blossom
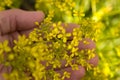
[
  {"x": 74, "y": 49},
  {"x": 37, "y": 23},
  {"x": 65, "y": 75},
  {"x": 11, "y": 56},
  {"x": 60, "y": 36}
]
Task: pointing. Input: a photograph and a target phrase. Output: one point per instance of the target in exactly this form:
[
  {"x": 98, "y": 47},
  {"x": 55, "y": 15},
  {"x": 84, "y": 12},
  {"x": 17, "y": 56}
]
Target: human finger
[
  {"x": 74, "y": 74},
  {"x": 18, "y": 20}
]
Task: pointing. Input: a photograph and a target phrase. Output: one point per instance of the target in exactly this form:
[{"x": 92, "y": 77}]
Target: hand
[{"x": 17, "y": 22}]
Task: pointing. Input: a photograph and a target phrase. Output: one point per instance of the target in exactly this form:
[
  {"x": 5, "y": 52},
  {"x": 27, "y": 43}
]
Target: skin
[{"x": 16, "y": 22}]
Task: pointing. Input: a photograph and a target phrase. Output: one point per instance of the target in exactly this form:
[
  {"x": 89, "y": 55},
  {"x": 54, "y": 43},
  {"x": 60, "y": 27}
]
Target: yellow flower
[
  {"x": 74, "y": 49},
  {"x": 86, "y": 42},
  {"x": 4, "y": 47},
  {"x": 11, "y": 56},
  {"x": 64, "y": 39},
  {"x": 65, "y": 75},
  {"x": 75, "y": 67},
  {"x": 31, "y": 64},
  {"x": 57, "y": 45},
  {"x": 37, "y": 23},
  {"x": 59, "y": 35},
  {"x": 106, "y": 70},
  {"x": 8, "y": 2},
  {"x": 69, "y": 46}
]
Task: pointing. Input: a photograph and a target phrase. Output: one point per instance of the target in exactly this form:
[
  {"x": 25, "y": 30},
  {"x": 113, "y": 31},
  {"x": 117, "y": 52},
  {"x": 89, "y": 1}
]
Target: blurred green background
[{"x": 106, "y": 14}]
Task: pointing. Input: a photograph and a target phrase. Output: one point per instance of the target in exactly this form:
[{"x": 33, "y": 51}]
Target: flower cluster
[{"x": 37, "y": 56}]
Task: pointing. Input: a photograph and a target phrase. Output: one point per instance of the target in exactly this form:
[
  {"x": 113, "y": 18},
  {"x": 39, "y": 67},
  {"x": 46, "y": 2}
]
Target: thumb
[{"x": 19, "y": 20}]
